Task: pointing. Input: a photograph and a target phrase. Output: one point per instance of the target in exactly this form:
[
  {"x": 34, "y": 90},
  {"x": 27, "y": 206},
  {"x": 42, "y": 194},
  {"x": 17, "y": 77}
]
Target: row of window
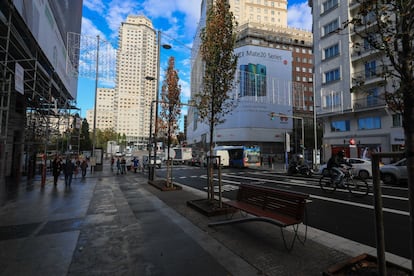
[
  {"x": 259, "y": 19},
  {"x": 362, "y": 124},
  {"x": 265, "y": 2},
  {"x": 365, "y": 123}
]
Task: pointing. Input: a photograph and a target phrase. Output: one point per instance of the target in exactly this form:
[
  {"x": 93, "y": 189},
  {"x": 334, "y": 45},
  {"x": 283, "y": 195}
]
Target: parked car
[
  {"x": 394, "y": 173},
  {"x": 360, "y": 167}
]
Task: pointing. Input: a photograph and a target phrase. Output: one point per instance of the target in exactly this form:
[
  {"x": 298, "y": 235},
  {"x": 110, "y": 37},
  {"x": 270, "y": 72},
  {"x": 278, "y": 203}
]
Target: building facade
[
  {"x": 36, "y": 81},
  {"x": 264, "y": 86},
  {"x": 104, "y": 109},
  {"x": 349, "y": 86}
]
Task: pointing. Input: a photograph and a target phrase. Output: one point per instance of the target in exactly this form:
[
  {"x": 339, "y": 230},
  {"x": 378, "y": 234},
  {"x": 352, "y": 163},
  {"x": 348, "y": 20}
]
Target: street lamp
[
  {"x": 152, "y": 168},
  {"x": 315, "y": 132}
]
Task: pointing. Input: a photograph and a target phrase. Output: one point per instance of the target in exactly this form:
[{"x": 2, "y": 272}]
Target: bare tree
[
  {"x": 388, "y": 28},
  {"x": 218, "y": 41},
  {"x": 170, "y": 107}
]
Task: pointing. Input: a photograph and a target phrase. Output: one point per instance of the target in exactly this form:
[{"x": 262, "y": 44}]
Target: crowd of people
[{"x": 69, "y": 167}]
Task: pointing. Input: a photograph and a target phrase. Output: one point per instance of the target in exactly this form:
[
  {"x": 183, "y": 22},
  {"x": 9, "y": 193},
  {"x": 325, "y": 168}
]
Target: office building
[
  {"x": 104, "y": 109},
  {"x": 134, "y": 92}
]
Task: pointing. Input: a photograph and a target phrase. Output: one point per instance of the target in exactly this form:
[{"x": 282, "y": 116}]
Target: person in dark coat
[
  {"x": 68, "y": 171},
  {"x": 84, "y": 166},
  {"x": 56, "y": 168}
]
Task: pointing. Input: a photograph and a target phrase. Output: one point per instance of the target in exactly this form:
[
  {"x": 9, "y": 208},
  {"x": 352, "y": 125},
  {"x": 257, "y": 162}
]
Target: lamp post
[
  {"x": 315, "y": 132},
  {"x": 157, "y": 79}
]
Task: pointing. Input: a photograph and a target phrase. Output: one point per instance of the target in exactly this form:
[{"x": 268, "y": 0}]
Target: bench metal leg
[{"x": 295, "y": 236}]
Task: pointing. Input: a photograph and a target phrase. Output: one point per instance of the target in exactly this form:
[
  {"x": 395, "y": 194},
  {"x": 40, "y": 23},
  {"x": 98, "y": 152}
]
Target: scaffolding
[{"x": 33, "y": 99}]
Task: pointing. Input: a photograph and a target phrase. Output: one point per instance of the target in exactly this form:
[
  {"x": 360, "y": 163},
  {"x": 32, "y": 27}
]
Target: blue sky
[{"x": 177, "y": 20}]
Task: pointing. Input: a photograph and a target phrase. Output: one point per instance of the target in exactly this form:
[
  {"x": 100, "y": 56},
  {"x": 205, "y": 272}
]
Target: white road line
[{"x": 398, "y": 212}]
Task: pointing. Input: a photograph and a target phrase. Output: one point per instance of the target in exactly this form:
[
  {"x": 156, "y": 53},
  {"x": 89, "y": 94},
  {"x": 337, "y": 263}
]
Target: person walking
[
  {"x": 77, "y": 167},
  {"x": 112, "y": 163},
  {"x": 123, "y": 166},
  {"x": 84, "y": 166},
  {"x": 136, "y": 164},
  {"x": 56, "y": 168},
  {"x": 118, "y": 165},
  {"x": 68, "y": 170}
]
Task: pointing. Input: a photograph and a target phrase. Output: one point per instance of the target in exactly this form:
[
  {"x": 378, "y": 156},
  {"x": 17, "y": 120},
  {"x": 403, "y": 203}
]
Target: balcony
[
  {"x": 369, "y": 103},
  {"x": 368, "y": 76}
]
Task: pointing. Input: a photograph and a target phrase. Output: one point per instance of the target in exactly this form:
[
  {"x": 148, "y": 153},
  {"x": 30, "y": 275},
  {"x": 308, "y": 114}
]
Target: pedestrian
[
  {"x": 68, "y": 170},
  {"x": 118, "y": 165},
  {"x": 136, "y": 164},
  {"x": 112, "y": 163},
  {"x": 77, "y": 167},
  {"x": 56, "y": 168},
  {"x": 84, "y": 166},
  {"x": 123, "y": 165}
]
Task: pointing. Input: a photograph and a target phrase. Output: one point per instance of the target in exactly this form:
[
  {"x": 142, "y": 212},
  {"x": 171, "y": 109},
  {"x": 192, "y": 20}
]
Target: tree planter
[
  {"x": 161, "y": 184},
  {"x": 364, "y": 264},
  {"x": 210, "y": 208}
]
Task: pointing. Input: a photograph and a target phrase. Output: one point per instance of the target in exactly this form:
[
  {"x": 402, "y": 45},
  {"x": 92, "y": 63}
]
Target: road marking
[
  {"x": 299, "y": 183},
  {"x": 398, "y": 212}
]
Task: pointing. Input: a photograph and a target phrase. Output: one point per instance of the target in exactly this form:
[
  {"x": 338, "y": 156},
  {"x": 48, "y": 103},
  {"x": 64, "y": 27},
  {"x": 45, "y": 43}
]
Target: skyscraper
[{"x": 136, "y": 61}]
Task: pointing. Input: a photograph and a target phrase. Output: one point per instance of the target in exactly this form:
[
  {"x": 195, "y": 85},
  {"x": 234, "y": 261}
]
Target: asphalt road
[{"x": 339, "y": 213}]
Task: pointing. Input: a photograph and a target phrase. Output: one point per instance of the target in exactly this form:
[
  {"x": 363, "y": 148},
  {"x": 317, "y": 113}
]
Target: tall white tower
[{"x": 136, "y": 60}]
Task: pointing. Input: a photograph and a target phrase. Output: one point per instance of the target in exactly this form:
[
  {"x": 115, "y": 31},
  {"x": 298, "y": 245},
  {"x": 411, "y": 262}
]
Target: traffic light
[
  {"x": 272, "y": 116},
  {"x": 352, "y": 141}
]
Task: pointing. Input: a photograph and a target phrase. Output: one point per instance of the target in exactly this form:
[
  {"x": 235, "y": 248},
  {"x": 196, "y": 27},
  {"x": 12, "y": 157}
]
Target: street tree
[
  {"x": 388, "y": 28},
  {"x": 85, "y": 137},
  {"x": 170, "y": 108},
  {"x": 213, "y": 102}
]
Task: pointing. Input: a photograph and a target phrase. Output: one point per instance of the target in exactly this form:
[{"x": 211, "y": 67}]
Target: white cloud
[
  {"x": 94, "y": 5},
  {"x": 90, "y": 29},
  {"x": 299, "y": 16},
  {"x": 117, "y": 13}
]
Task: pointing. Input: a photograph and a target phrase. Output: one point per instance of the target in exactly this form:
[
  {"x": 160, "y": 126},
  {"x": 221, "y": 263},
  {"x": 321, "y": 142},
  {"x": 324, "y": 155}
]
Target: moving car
[
  {"x": 394, "y": 173},
  {"x": 360, "y": 167}
]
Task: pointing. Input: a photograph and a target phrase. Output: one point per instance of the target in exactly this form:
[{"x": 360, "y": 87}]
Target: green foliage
[
  {"x": 170, "y": 101},
  {"x": 85, "y": 138},
  {"x": 217, "y": 50},
  {"x": 218, "y": 41}
]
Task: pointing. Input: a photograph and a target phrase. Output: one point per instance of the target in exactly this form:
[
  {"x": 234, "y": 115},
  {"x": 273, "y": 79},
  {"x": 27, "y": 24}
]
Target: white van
[{"x": 224, "y": 157}]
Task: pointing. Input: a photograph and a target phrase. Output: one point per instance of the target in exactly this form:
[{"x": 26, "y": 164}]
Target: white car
[
  {"x": 394, "y": 173},
  {"x": 360, "y": 167}
]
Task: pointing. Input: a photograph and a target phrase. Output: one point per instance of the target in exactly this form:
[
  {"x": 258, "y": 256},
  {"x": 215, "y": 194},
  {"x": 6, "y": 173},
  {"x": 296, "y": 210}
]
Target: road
[{"x": 339, "y": 213}]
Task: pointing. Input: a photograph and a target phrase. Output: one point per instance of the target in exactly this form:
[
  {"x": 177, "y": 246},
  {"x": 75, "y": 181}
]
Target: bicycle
[{"x": 356, "y": 186}]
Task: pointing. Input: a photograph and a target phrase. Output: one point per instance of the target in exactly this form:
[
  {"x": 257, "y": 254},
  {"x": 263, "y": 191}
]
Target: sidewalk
[{"x": 119, "y": 225}]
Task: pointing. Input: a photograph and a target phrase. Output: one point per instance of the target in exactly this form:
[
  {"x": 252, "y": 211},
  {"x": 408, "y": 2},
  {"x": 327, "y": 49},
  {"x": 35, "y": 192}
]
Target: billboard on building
[
  {"x": 263, "y": 88},
  {"x": 49, "y": 21}
]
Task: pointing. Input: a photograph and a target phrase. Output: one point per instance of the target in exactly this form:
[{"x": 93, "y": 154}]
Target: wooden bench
[{"x": 279, "y": 207}]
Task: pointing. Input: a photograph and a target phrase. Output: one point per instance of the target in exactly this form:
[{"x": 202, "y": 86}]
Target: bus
[{"x": 242, "y": 156}]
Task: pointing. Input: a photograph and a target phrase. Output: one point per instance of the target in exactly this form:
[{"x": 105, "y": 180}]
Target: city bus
[{"x": 242, "y": 156}]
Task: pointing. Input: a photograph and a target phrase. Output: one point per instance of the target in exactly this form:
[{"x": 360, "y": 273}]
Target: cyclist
[{"x": 335, "y": 164}]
